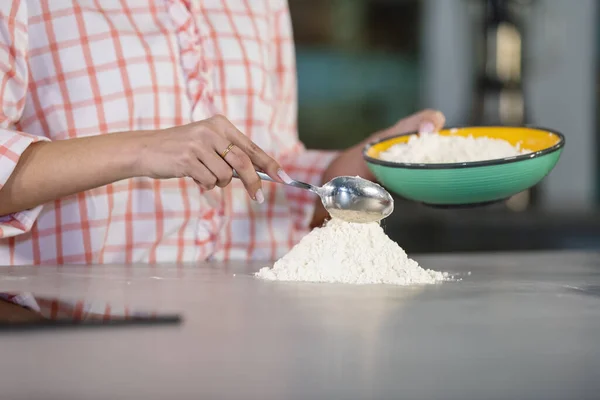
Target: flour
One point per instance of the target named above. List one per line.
(355, 216)
(346, 252)
(438, 149)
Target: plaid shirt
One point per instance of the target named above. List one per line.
(77, 68)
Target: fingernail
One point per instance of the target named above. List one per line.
(260, 197)
(284, 177)
(426, 127)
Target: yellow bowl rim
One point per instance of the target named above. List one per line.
(484, 163)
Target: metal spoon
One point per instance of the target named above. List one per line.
(350, 198)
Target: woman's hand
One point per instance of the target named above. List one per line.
(206, 151)
(351, 162)
(47, 171)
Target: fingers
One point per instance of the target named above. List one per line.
(217, 166)
(243, 166)
(426, 121)
(257, 156)
(202, 175)
(238, 160)
(245, 157)
(431, 121)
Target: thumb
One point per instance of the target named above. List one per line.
(426, 121)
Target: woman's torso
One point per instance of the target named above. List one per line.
(97, 67)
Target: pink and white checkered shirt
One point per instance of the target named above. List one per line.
(76, 68)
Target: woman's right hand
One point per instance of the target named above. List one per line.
(196, 150)
(47, 171)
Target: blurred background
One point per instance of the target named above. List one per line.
(364, 64)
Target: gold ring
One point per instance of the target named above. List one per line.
(227, 150)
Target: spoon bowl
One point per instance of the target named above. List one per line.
(354, 199)
(350, 198)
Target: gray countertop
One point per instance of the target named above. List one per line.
(520, 326)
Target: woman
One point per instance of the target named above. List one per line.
(121, 122)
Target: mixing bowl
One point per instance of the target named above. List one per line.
(470, 183)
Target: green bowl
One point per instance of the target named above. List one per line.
(470, 183)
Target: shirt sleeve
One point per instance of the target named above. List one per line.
(306, 166)
(13, 91)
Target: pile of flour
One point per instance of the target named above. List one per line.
(438, 149)
(345, 252)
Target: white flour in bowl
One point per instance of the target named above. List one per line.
(438, 149)
(346, 252)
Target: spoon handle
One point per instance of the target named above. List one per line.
(293, 183)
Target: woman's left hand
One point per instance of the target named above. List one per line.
(351, 162)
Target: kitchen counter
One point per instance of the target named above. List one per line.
(519, 326)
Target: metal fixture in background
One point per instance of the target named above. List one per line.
(499, 97)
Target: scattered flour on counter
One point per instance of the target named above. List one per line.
(345, 252)
(439, 149)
